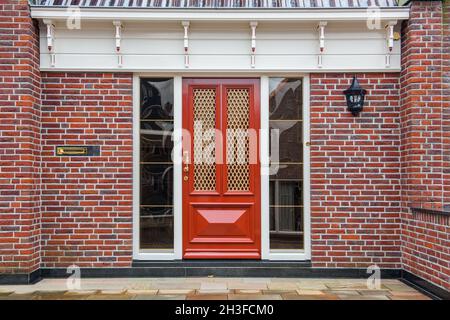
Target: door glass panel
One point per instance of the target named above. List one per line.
(156, 166)
(290, 133)
(238, 112)
(156, 141)
(156, 227)
(204, 139)
(286, 180)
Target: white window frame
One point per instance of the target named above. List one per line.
(291, 255)
(176, 253)
(158, 254)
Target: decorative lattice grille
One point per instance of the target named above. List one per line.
(238, 111)
(204, 137)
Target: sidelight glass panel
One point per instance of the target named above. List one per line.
(286, 180)
(156, 141)
(156, 166)
(156, 227)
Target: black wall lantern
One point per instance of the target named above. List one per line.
(355, 97)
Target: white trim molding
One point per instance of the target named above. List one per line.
(290, 14)
(176, 253)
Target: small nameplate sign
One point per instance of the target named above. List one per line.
(80, 151)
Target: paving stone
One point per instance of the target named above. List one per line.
(215, 291)
(291, 296)
(410, 297)
(373, 292)
(5, 292)
(58, 296)
(404, 293)
(360, 297)
(142, 292)
(14, 296)
(247, 291)
(400, 287)
(174, 291)
(247, 286)
(163, 297)
(279, 291)
(254, 297)
(310, 292)
(176, 285)
(24, 289)
(81, 292)
(121, 291)
(311, 286)
(208, 297)
(282, 286)
(346, 286)
(342, 292)
(214, 286)
(110, 297)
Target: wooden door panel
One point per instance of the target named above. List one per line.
(222, 223)
(221, 197)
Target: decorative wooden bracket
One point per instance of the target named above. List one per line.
(50, 40)
(321, 28)
(389, 41)
(118, 37)
(253, 26)
(185, 25)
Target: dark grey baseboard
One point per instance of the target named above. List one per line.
(223, 268)
(20, 278)
(425, 286)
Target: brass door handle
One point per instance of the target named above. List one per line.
(186, 164)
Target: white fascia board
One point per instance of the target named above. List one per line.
(291, 14)
(230, 72)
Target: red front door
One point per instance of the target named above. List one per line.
(221, 171)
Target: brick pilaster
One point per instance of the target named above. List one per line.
(424, 144)
(19, 139)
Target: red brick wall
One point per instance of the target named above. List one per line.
(425, 172)
(87, 201)
(426, 247)
(355, 173)
(19, 139)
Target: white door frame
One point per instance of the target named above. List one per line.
(176, 253)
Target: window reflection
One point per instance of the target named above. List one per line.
(156, 169)
(286, 184)
(156, 99)
(285, 99)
